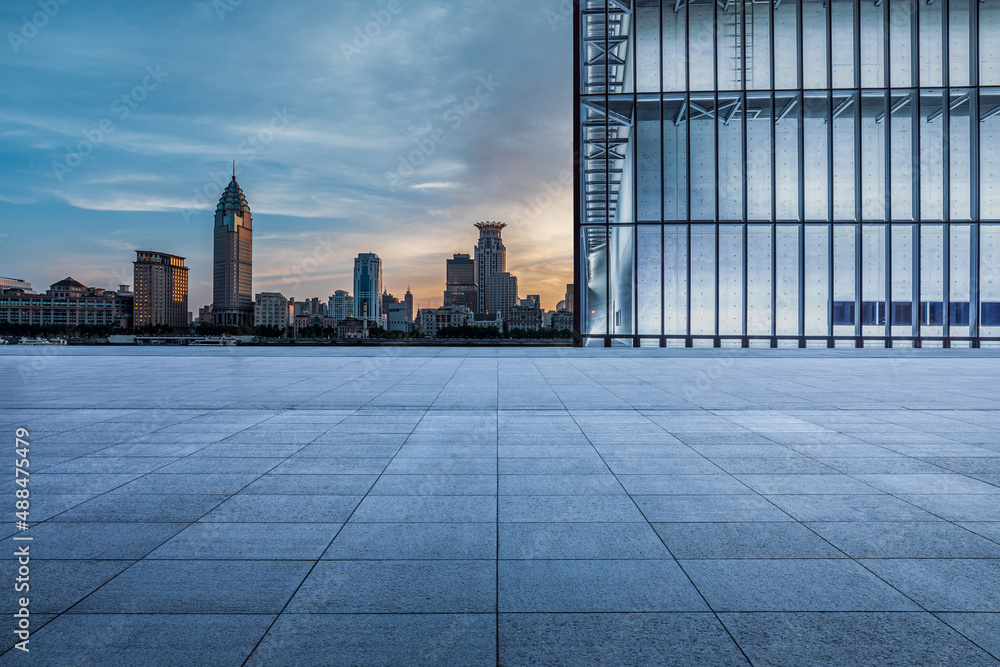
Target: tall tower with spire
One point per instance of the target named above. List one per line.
(233, 292)
(491, 259)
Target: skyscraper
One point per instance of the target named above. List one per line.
(408, 306)
(368, 287)
(807, 172)
(233, 296)
(161, 290)
(491, 258)
(460, 282)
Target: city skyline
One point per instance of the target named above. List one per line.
(311, 145)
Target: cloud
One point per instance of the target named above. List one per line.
(471, 97)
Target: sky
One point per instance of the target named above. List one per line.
(386, 126)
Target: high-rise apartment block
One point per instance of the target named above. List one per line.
(233, 304)
(160, 290)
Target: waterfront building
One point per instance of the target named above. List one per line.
(233, 269)
(160, 290)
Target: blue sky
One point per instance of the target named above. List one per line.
(386, 126)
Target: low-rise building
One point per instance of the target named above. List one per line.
(562, 319)
(352, 329)
(271, 310)
(433, 320)
(486, 320)
(67, 303)
(7, 283)
(396, 314)
(308, 321)
(527, 315)
(341, 305)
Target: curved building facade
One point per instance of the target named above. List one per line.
(801, 173)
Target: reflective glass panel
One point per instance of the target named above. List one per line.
(931, 279)
(816, 264)
(730, 157)
(989, 154)
(622, 252)
(674, 47)
(873, 155)
(960, 151)
(816, 163)
(649, 274)
(675, 279)
(815, 42)
(786, 286)
(959, 268)
(902, 42)
(759, 126)
(903, 152)
(873, 280)
(989, 280)
(703, 279)
(731, 279)
(786, 67)
(703, 184)
(648, 146)
(844, 279)
(759, 261)
(845, 127)
(787, 167)
(901, 311)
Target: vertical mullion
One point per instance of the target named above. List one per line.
(687, 152)
(608, 313)
(715, 128)
(579, 148)
(663, 194)
(829, 154)
(859, 219)
(887, 110)
(918, 146)
(631, 57)
(774, 188)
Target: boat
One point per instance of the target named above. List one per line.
(224, 341)
(43, 341)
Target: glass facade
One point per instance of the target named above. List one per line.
(810, 172)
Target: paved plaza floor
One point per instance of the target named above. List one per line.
(468, 506)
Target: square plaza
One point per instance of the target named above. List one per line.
(476, 506)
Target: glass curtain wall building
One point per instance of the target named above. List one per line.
(788, 172)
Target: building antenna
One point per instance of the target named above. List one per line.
(234, 170)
